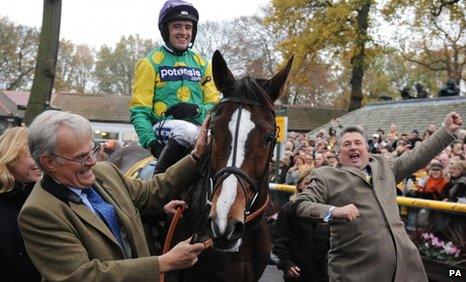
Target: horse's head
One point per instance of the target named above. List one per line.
(244, 133)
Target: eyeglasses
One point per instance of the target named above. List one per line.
(82, 160)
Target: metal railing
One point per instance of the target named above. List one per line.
(402, 201)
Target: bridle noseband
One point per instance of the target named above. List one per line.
(234, 170)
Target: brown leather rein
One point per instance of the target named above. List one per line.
(207, 243)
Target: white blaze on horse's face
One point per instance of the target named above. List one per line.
(228, 193)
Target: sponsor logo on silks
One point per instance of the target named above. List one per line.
(163, 133)
(179, 73)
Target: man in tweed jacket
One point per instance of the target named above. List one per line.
(68, 238)
(368, 240)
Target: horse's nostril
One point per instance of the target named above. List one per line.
(213, 228)
(234, 231)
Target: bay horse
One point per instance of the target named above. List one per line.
(226, 206)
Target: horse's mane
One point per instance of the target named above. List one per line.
(251, 88)
(255, 89)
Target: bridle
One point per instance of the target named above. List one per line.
(233, 169)
(223, 173)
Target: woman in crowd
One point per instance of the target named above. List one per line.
(433, 186)
(293, 173)
(308, 161)
(456, 188)
(18, 173)
(301, 244)
(320, 160)
(457, 150)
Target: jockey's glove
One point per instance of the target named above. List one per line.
(183, 110)
(156, 147)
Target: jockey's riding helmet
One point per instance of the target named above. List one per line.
(174, 10)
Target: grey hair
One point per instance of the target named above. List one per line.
(349, 129)
(43, 132)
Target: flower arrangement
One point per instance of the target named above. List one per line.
(434, 248)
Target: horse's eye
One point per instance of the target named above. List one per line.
(269, 138)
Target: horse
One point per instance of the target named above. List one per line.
(243, 134)
(227, 205)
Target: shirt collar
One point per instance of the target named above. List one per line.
(173, 50)
(58, 190)
(76, 190)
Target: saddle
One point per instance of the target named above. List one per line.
(144, 169)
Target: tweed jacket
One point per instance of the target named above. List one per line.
(68, 242)
(375, 246)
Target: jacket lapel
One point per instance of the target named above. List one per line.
(108, 195)
(91, 218)
(76, 204)
(361, 174)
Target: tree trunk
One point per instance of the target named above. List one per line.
(44, 75)
(357, 61)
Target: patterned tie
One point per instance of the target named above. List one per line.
(105, 211)
(368, 174)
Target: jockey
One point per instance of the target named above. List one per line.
(173, 89)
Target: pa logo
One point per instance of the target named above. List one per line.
(454, 273)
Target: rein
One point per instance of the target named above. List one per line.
(207, 243)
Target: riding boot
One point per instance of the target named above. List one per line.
(172, 153)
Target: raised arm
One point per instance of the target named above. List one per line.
(416, 159)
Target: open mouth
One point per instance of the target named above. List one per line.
(86, 173)
(36, 171)
(355, 157)
(182, 39)
(224, 245)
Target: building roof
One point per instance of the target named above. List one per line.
(110, 108)
(18, 97)
(10, 100)
(4, 110)
(301, 118)
(94, 107)
(406, 114)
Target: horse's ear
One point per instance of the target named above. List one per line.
(223, 78)
(276, 84)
